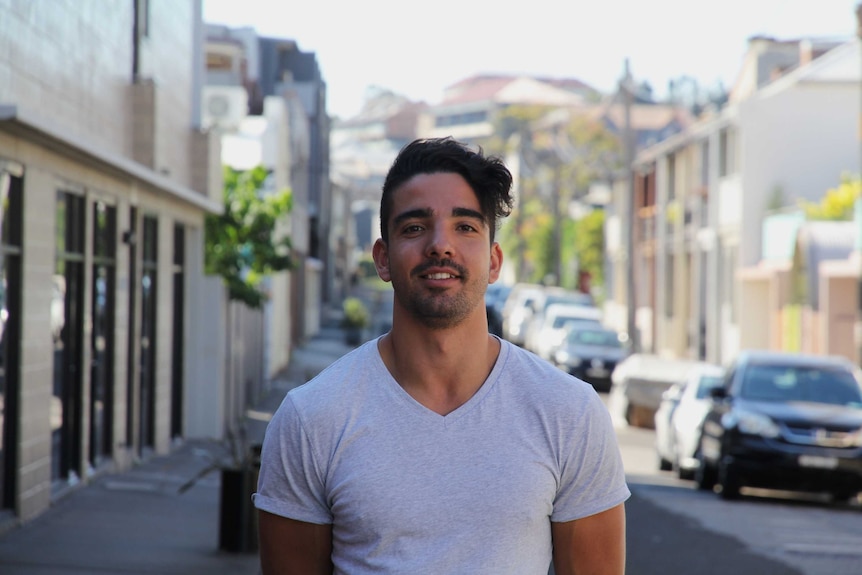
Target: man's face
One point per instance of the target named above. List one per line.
(439, 258)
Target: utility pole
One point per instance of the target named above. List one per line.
(629, 221)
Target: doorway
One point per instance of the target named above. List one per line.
(67, 333)
(11, 212)
(147, 350)
(178, 332)
(102, 337)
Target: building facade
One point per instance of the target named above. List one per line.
(105, 179)
(788, 134)
(287, 71)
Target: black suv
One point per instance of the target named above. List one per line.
(784, 421)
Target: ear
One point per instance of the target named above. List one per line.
(380, 253)
(496, 263)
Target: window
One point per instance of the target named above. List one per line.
(668, 286)
(704, 163)
(727, 152)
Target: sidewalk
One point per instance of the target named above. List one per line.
(137, 522)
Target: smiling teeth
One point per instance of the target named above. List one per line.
(440, 276)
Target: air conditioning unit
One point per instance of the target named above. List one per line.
(224, 107)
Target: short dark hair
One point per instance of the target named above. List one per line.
(489, 178)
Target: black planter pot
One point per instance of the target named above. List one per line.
(353, 335)
(237, 514)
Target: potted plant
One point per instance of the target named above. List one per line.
(355, 319)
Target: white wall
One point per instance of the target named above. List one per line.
(801, 140)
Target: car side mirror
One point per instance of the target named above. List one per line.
(718, 393)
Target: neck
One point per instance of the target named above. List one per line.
(440, 368)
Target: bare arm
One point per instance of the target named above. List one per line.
(289, 547)
(594, 545)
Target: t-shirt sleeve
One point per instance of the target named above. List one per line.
(592, 478)
(291, 482)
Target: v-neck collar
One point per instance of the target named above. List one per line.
(430, 415)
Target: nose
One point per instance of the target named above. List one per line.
(439, 242)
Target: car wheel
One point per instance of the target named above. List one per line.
(843, 496)
(704, 474)
(728, 478)
(683, 472)
(664, 464)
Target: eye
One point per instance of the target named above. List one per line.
(468, 227)
(411, 229)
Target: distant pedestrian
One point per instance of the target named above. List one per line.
(439, 448)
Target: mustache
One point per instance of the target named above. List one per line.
(445, 263)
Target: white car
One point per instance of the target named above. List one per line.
(638, 383)
(550, 296)
(680, 416)
(518, 310)
(552, 330)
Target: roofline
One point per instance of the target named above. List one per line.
(17, 121)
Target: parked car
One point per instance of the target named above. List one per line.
(495, 298)
(518, 310)
(591, 353)
(784, 421)
(556, 322)
(553, 295)
(679, 418)
(638, 384)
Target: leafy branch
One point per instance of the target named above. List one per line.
(243, 245)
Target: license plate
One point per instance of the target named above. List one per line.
(818, 461)
(597, 372)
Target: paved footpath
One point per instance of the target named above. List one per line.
(138, 522)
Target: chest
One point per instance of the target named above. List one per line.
(439, 482)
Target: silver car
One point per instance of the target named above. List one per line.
(679, 419)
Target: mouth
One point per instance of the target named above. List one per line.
(440, 273)
(439, 276)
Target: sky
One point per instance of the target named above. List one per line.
(417, 49)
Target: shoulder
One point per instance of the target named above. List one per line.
(536, 382)
(345, 378)
(539, 374)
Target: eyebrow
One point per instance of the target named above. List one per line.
(420, 213)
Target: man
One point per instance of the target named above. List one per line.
(439, 448)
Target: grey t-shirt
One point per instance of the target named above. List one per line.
(410, 491)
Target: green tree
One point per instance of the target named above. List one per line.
(838, 202)
(513, 136)
(243, 244)
(589, 246)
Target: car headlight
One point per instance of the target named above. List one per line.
(565, 358)
(751, 423)
(855, 438)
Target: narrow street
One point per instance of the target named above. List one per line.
(675, 528)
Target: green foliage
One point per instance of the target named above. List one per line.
(355, 313)
(366, 268)
(838, 202)
(242, 245)
(585, 151)
(539, 234)
(589, 245)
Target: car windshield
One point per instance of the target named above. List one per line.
(706, 383)
(562, 320)
(801, 383)
(597, 337)
(571, 298)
